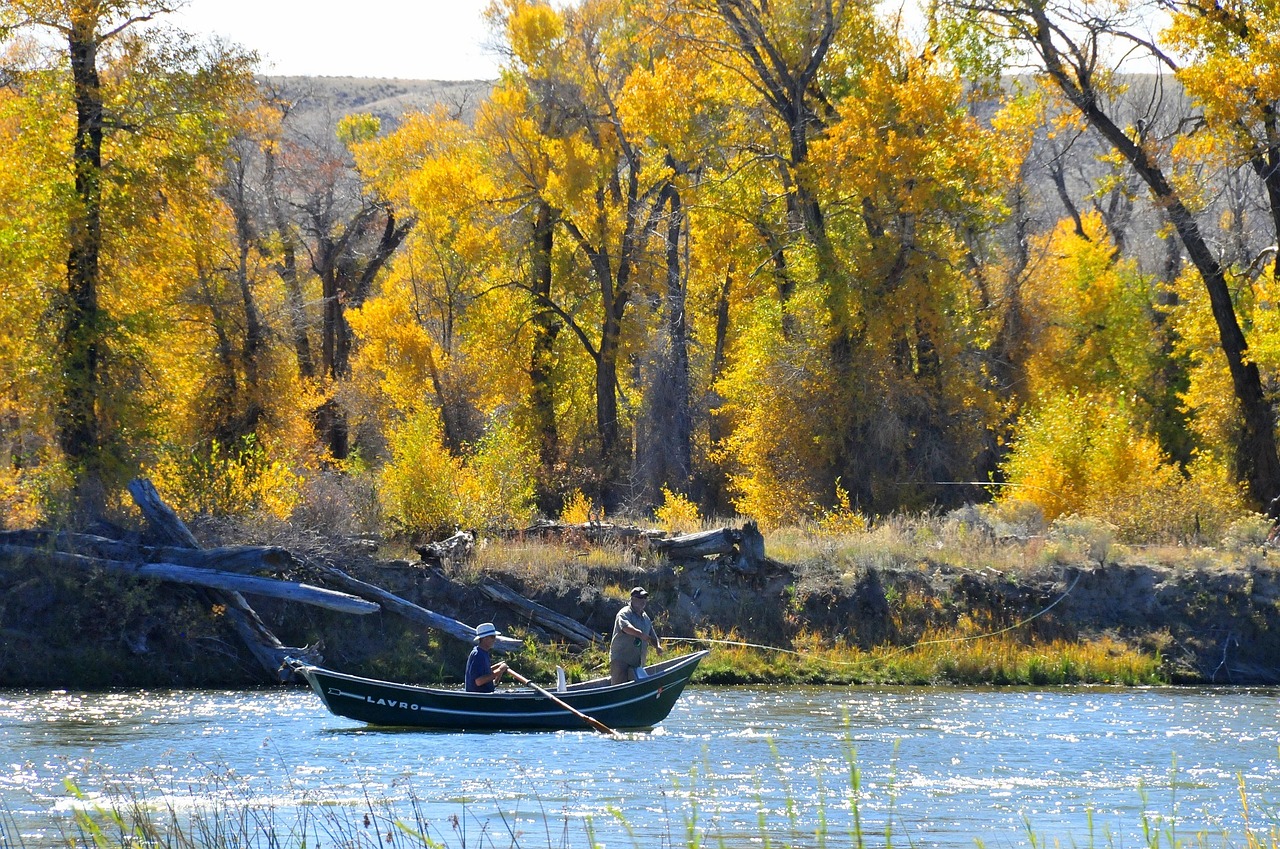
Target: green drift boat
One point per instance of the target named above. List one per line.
(637, 704)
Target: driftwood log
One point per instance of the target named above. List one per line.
(744, 548)
(413, 612)
(204, 577)
(380, 597)
(269, 651)
(225, 572)
(576, 632)
(231, 558)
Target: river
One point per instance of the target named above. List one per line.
(928, 767)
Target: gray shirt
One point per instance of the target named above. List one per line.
(624, 646)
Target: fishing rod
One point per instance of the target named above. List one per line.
(899, 651)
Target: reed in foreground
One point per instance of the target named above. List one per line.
(847, 811)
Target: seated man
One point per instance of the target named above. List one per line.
(482, 676)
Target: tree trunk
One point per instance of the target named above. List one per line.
(662, 450)
(681, 437)
(346, 278)
(546, 326)
(287, 269)
(81, 340)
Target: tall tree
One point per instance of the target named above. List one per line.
(608, 191)
(1079, 47)
(159, 91)
(316, 204)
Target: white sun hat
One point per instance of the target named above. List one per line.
(485, 630)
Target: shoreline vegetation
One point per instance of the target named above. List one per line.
(958, 599)
(955, 599)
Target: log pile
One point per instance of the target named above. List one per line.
(264, 646)
(742, 549)
(225, 574)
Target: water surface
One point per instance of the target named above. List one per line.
(936, 767)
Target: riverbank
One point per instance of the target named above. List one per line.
(906, 600)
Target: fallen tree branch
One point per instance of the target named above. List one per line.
(268, 650)
(175, 573)
(577, 633)
(413, 612)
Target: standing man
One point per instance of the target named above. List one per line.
(482, 676)
(632, 635)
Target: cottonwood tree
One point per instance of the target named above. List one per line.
(605, 187)
(329, 241)
(515, 133)
(1080, 49)
(860, 162)
(141, 106)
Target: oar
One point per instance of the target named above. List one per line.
(593, 722)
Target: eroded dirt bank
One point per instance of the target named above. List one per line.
(1210, 623)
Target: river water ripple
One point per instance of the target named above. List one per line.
(931, 767)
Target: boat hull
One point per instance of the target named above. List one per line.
(638, 704)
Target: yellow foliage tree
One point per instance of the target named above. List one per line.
(1083, 454)
(131, 127)
(435, 350)
(879, 323)
(428, 490)
(1091, 320)
(33, 216)
(778, 395)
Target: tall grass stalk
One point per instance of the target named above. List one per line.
(123, 818)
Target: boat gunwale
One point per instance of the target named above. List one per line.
(584, 688)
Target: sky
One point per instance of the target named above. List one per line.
(407, 39)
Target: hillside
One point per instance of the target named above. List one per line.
(330, 98)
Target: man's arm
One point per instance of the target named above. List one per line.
(494, 674)
(626, 624)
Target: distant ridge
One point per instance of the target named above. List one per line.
(387, 99)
